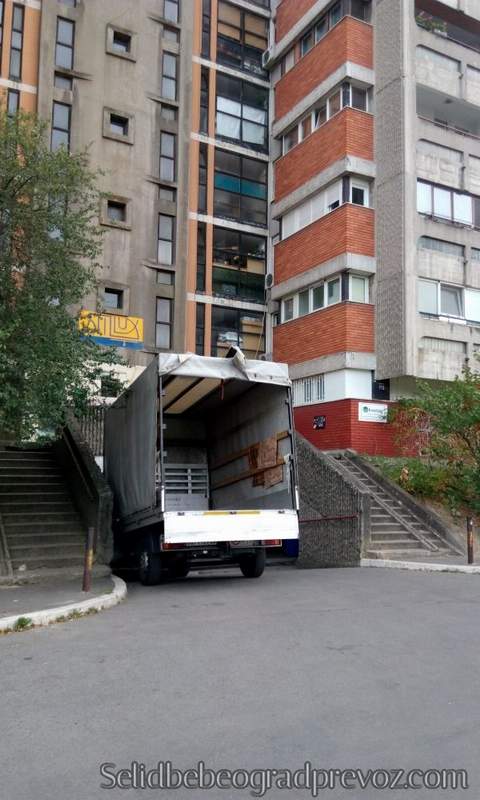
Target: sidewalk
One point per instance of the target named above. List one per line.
(51, 599)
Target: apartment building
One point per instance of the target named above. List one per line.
(373, 216)
(19, 54)
(170, 100)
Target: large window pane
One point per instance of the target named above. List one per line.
(442, 203)
(462, 208)
(451, 301)
(472, 305)
(427, 297)
(424, 197)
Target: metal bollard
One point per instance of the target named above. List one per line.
(88, 563)
(470, 557)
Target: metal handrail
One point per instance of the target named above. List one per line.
(4, 547)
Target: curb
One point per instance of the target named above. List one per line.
(416, 566)
(38, 619)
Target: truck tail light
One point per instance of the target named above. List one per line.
(172, 546)
(272, 542)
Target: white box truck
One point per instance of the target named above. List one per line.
(200, 454)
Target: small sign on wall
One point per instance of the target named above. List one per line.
(372, 412)
(319, 423)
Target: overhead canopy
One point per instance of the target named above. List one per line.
(191, 380)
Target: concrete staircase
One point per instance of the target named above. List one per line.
(41, 526)
(397, 529)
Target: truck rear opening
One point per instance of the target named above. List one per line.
(200, 455)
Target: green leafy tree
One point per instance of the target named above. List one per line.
(49, 246)
(442, 425)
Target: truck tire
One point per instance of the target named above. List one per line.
(150, 568)
(252, 566)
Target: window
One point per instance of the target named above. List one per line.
(118, 125)
(61, 123)
(2, 16)
(206, 23)
(63, 82)
(64, 43)
(70, 3)
(242, 38)
(200, 330)
(239, 265)
(204, 93)
(168, 112)
(451, 301)
(308, 390)
(16, 44)
(335, 14)
(438, 246)
(358, 193)
(202, 178)
(290, 139)
(312, 209)
(427, 297)
(121, 42)
(358, 289)
(164, 277)
(169, 76)
(447, 204)
(357, 8)
(13, 101)
(242, 112)
(171, 34)
(163, 323)
(166, 239)
(167, 194)
(360, 9)
(201, 255)
(307, 43)
(170, 10)
(167, 156)
(240, 188)
(231, 326)
(116, 211)
(334, 104)
(474, 254)
(113, 298)
(324, 294)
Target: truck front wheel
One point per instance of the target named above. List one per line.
(252, 566)
(150, 568)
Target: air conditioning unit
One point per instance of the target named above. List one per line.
(268, 281)
(265, 58)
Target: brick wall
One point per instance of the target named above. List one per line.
(344, 430)
(347, 229)
(340, 328)
(350, 40)
(288, 13)
(348, 133)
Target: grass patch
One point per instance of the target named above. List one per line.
(23, 624)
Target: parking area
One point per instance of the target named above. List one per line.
(347, 669)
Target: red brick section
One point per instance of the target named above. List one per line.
(347, 229)
(350, 40)
(288, 13)
(343, 429)
(338, 329)
(348, 133)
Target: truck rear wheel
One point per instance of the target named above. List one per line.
(150, 568)
(252, 566)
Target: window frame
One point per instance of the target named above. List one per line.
(168, 158)
(166, 77)
(171, 241)
(21, 32)
(67, 130)
(70, 47)
(10, 94)
(243, 118)
(244, 48)
(162, 323)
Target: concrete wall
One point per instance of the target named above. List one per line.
(325, 492)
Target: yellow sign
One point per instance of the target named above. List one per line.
(112, 329)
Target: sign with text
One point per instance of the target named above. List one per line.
(114, 330)
(372, 412)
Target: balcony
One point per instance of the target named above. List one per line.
(440, 266)
(433, 16)
(437, 71)
(439, 164)
(447, 112)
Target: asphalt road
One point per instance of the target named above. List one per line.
(359, 668)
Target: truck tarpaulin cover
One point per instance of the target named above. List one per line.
(130, 436)
(235, 367)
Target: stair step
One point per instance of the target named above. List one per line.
(17, 524)
(26, 552)
(58, 539)
(398, 554)
(31, 480)
(29, 497)
(25, 455)
(48, 561)
(27, 528)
